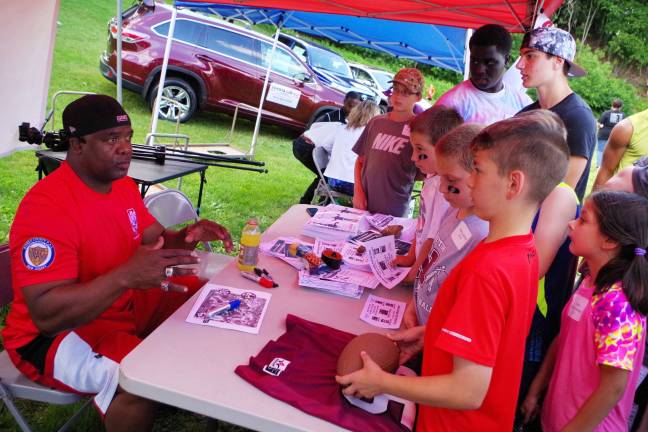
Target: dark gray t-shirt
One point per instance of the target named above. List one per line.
(455, 240)
(581, 132)
(388, 171)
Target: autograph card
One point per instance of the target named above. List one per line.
(246, 318)
(382, 252)
(382, 312)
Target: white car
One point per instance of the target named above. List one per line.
(379, 80)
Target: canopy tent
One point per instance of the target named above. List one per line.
(514, 15)
(440, 46)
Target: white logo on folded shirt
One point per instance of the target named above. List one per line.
(277, 366)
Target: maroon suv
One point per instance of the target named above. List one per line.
(213, 65)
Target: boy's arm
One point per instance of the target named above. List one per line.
(418, 261)
(407, 260)
(464, 388)
(610, 389)
(556, 211)
(359, 196)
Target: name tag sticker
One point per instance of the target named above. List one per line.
(461, 235)
(577, 307)
(406, 130)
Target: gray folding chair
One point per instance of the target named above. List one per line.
(172, 207)
(13, 384)
(323, 192)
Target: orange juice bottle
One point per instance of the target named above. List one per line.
(249, 251)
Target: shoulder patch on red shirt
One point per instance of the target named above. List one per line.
(37, 253)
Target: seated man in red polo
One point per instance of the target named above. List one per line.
(90, 266)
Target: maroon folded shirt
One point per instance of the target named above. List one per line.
(299, 369)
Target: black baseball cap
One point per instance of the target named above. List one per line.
(92, 113)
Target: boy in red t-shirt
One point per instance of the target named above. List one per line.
(475, 335)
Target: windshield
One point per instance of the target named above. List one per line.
(383, 79)
(329, 61)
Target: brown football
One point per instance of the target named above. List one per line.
(380, 348)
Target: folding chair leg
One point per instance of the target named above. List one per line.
(6, 398)
(75, 416)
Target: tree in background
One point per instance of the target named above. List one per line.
(619, 27)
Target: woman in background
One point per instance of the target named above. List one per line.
(339, 170)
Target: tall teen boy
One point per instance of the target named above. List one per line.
(475, 335)
(546, 61)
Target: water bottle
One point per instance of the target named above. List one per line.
(249, 252)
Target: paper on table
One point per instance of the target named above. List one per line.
(278, 248)
(321, 244)
(382, 252)
(333, 222)
(347, 273)
(350, 275)
(246, 318)
(382, 312)
(339, 288)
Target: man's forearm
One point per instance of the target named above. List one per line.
(70, 305)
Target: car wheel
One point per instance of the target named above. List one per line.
(178, 99)
(318, 114)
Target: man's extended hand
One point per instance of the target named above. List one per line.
(206, 230)
(364, 383)
(410, 342)
(148, 266)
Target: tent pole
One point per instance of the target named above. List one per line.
(257, 124)
(469, 33)
(165, 63)
(119, 51)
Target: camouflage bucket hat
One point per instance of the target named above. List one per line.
(556, 42)
(411, 78)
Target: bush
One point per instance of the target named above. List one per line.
(601, 86)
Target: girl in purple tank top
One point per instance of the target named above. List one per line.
(591, 370)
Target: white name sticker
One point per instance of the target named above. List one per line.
(283, 95)
(461, 235)
(577, 307)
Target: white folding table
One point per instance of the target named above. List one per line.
(192, 366)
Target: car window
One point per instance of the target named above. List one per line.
(329, 61)
(363, 77)
(231, 44)
(283, 63)
(383, 78)
(300, 51)
(185, 31)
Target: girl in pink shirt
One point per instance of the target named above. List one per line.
(592, 367)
